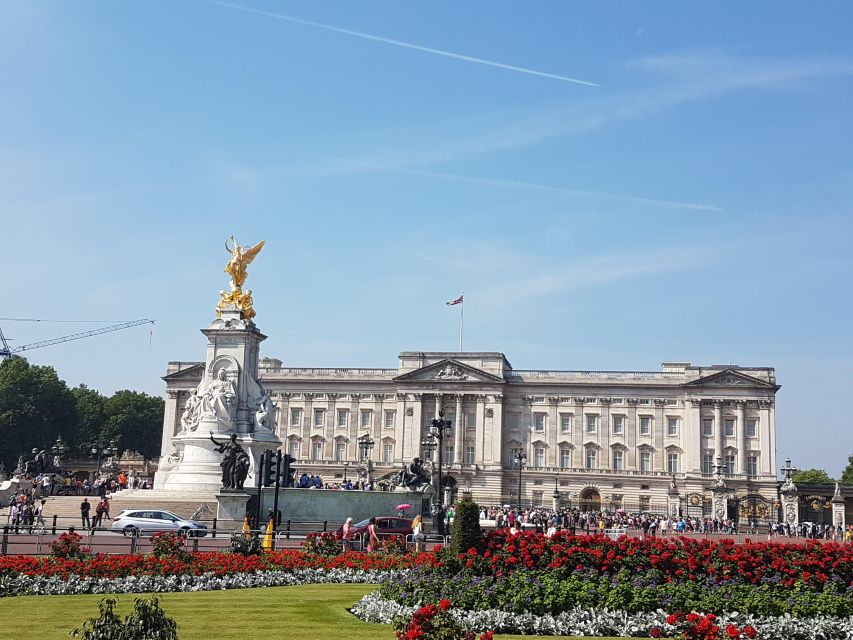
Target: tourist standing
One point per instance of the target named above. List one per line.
(85, 507)
(418, 532)
(347, 534)
(372, 539)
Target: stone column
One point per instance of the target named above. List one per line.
(331, 425)
(718, 429)
(552, 433)
(459, 432)
(741, 432)
(603, 434)
(480, 430)
(496, 432)
(401, 436)
(416, 426)
(692, 435)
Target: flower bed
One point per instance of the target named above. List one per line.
(530, 573)
(584, 621)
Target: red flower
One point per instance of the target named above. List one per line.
(732, 631)
(749, 631)
(445, 604)
(655, 632)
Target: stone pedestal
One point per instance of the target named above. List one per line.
(673, 505)
(838, 515)
(232, 507)
(790, 503)
(555, 501)
(720, 502)
(232, 362)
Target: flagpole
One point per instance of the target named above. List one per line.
(461, 319)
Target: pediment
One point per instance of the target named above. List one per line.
(730, 378)
(448, 371)
(193, 373)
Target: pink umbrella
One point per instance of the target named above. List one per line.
(404, 506)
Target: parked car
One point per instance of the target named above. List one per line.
(385, 526)
(133, 521)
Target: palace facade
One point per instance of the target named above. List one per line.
(594, 439)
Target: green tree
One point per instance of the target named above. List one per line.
(35, 407)
(812, 476)
(134, 421)
(847, 474)
(91, 417)
(466, 533)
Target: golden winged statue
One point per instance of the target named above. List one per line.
(241, 257)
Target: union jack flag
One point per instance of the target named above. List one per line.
(456, 301)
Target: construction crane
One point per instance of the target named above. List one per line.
(7, 352)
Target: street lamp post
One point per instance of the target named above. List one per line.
(365, 444)
(520, 458)
(100, 451)
(346, 466)
(437, 430)
(57, 449)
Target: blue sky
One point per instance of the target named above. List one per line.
(694, 204)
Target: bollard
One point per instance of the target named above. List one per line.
(134, 542)
(288, 529)
(195, 544)
(325, 522)
(4, 545)
(213, 535)
(53, 528)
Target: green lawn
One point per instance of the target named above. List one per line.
(310, 612)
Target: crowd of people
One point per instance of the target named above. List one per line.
(311, 481)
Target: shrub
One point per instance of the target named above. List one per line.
(466, 533)
(324, 543)
(433, 622)
(68, 546)
(147, 622)
(245, 545)
(168, 544)
(395, 545)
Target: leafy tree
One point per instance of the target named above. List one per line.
(35, 407)
(466, 532)
(135, 421)
(91, 417)
(812, 476)
(847, 474)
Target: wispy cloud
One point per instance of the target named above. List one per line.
(406, 45)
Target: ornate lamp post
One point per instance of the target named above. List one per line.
(346, 466)
(437, 430)
(57, 450)
(100, 451)
(365, 444)
(520, 458)
(556, 496)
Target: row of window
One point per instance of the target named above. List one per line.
(343, 418)
(729, 462)
(591, 459)
(730, 426)
(617, 423)
(316, 452)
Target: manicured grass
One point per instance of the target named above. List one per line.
(309, 612)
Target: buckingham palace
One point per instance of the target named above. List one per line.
(592, 439)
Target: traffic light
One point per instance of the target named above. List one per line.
(268, 469)
(288, 471)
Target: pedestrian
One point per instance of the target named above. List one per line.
(372, 539)
(418, 533)
(85, 507)
(347, 534)
(39, 514)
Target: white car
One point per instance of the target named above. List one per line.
(133, 521)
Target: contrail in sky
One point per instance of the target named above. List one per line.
(406, 45)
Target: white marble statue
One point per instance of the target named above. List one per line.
(218, 400)
(263, 414)
(191, 415)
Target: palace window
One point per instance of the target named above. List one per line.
(366, 418)
(752, 465)
(591, 458)
(343, 417)
(513, 420)
(707, 426)
(470, 455)
(471, 419)
(294, 449)
(319, 417)
(617, 459)
(618, 422)
(514, 451)
(539, 457)
(565, 457)
(537, 498)
(645, 425)
(340, 451)
(448, 453)
(729, 425)
(591, 424)
(390, 419)
(752, 428)
(565, 423)
(645, 503)
(388, 452)
(672, 462)
(730, 460)
(707, 461)
(645, 460)
(539, 421)
(296, 417)
(316, 450)
(671, 426)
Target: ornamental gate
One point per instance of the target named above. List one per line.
(754, 509)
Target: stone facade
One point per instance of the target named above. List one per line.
(592, 438)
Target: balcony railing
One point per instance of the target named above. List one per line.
(527, 374)
(334, 372)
